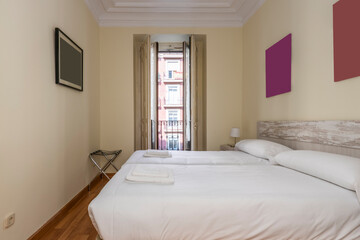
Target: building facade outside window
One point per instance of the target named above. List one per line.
(172, 142)
(173, 115)
(173, 94)
(170, 101)
(172, 66)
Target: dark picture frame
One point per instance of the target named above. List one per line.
(68, 62)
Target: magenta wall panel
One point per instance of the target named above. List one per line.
(278, 67)
(346, 39)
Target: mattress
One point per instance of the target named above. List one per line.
(198, 158)
(226, 202)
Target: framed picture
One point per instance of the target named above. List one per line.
(69, 61)
(278, 67)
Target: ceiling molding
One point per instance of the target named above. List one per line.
(173, 13)
(252, 11)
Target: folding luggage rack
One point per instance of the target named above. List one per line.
(110, 156)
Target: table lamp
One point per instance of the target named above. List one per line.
(235, 133)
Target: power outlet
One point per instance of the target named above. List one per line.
(9, 220)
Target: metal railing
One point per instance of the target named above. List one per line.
(170, 135)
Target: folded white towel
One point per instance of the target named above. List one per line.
(157, 153)
(151, 179)
(150, 171)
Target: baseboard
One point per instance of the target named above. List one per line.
(62, 212)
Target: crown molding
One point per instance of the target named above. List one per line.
(252, 11)
(178, 23)
(165, 13)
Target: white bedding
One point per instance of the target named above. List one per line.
(226, 202)
(198, 158)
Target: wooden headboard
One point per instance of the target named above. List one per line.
(341, 137)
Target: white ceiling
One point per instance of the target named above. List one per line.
(173, 13)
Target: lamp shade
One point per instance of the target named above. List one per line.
(235, 132)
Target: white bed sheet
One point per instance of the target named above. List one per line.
(198, 158)
(226, 202)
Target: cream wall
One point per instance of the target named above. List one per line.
(47, 130)
(314, 95)
(224, 75)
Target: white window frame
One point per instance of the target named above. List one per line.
(173, 110)
(168, 68)
(172, 137)
(175, 96)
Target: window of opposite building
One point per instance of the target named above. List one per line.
(172, 66)
(173, 94)
(172, 142)
(173, 115)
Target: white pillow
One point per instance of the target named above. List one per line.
(338, 169)
(261, 148)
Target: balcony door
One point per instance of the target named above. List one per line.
(169, 93)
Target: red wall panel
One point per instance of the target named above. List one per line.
(346, 39)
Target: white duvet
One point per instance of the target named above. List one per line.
(226, 202)
(198, 158)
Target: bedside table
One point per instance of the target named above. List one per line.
(227, 147)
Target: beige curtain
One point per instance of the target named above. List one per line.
(142, 91)
(198, 92)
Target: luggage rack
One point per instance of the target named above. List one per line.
(110, 156)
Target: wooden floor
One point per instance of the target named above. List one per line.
(77, 224)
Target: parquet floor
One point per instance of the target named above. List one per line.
(77, 224)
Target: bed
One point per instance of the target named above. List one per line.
(235, 200)
(198, 158)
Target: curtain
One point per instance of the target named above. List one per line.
(198, 92)
(142, 92)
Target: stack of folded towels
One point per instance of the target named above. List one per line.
(150, 174)
(157, 153)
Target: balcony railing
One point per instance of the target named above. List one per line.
(170, 135)
(170, 126)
